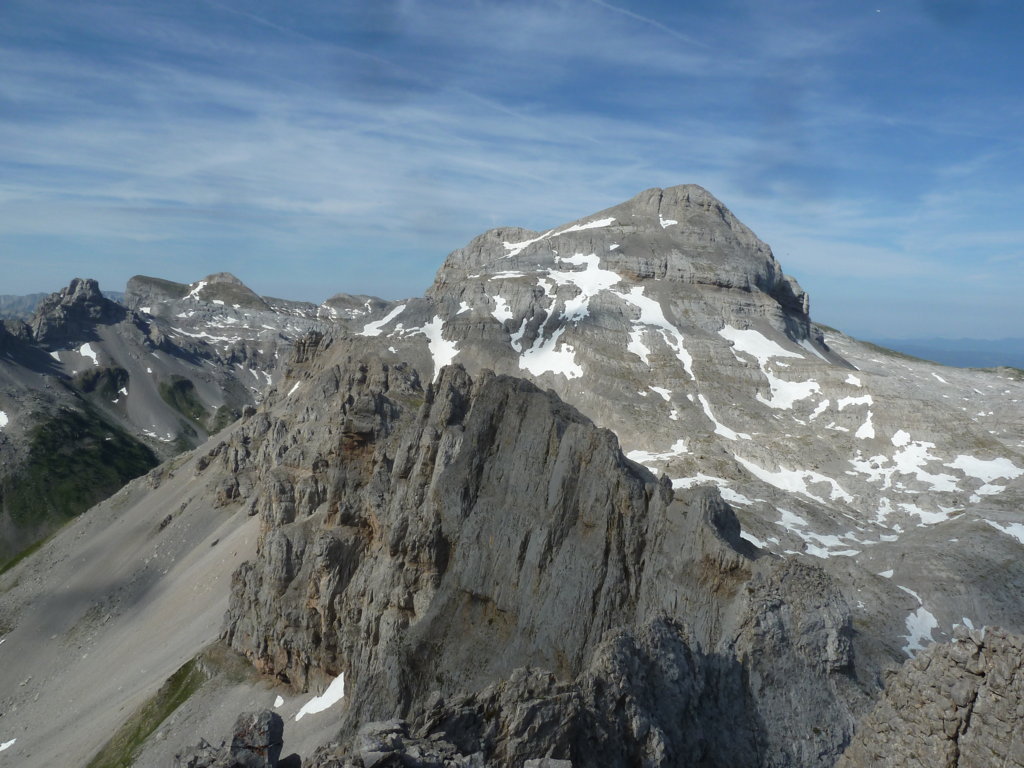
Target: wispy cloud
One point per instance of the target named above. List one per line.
(210, 136)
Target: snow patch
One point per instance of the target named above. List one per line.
(514, 249)
(147, 310)
(636, 345)
(920, 624)
(851, 379)
(939, 378)
(910, 459)
(761, 348)
(293, 390)
(666, 394)
(279, 702)
(720, 429)
(886, 574)
(55, 355)
(643, 457)
(590, 282)
(516, 339)
(86, 350)
(442, 350)
(986, 470)
(463, 307)
(666, 223)
(754, 540)
(651, 313)
(796, 481)
(806, 344)
(335, 692)
(501, 311)
(545, 357)
(1016, 530)
(843, 402)
(734, 497)
(376, 328)
(3, 420)
(597, 223)
(7, 745)
(866, 431)
(194, 293)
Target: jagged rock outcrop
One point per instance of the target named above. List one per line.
(221, 287)
(256, 742)
(72, 314)
(956, 705)
(495, 581)
(431, 542)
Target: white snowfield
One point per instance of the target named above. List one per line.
(920, 624)
(86, 350)
(4, 421)
(514, 249)
(442, 350)
(335, 692)
(376, 328)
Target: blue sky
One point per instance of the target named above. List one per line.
(319, 147)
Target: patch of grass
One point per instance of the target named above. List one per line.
(222, 418)
(29, 550)
(104, 382)
(180, 393)
(125, 745)
(75, 460)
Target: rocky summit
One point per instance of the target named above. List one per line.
(605, 496)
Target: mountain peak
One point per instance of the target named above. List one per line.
(216, 288)
(681, 236)
(73, 312)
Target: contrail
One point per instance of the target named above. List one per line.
(649, 21)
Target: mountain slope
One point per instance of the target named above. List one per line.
(113, 388)
(470, 548)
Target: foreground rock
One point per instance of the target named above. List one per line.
(255, 743)
(958, 704)
(431, 545)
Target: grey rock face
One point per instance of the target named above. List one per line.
(431, 542)
(667, 321)
(73, 313)
(498, 583)
(955, 704)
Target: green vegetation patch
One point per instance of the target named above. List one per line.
(125, 745)
(75, 460)
(180, 393)
(222, 418)
(29, 550)
(105, 382)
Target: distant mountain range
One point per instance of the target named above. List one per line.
(962, 353)
(605, 495)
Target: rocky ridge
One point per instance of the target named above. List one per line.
(955, 704)
(493, 529)
(415, 516)
(117, 387)
(667, 321)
